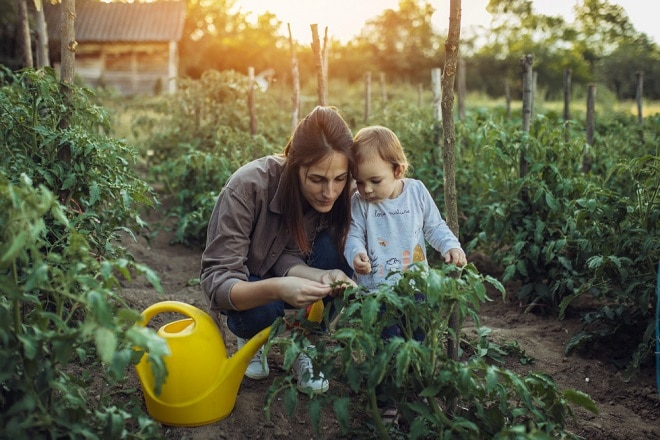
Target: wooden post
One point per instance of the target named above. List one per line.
(527, 98)
(590, 128)
(23, 37)
(461, 88)
(535, 77)
(567, 103)
(367, 97)
(318, 64)
(67, 72)
(253, 119)
(639, 96)
(43, 58)
(436, 76)
(295, 79)
(507, 97)
(324, 60)
(591, 111)
(420, 95)
(383, 91)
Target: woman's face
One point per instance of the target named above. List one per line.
(323, 182)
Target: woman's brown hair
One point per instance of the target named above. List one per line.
(320, 133)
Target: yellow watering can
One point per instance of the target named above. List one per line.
(202, 382)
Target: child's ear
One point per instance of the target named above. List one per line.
(399, 171)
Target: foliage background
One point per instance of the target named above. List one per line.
(583, 244)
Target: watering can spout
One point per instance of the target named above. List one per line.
(241, 359)
(202, 382)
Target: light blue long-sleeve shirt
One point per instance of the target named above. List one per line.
(393, 232)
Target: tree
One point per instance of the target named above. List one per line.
(449, 142)
(403, 41)
(600, 27)
(516, 29)
(619, 69)
(217, 36)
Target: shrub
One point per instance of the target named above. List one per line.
(63, 326)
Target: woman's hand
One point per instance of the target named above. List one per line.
(338, 279)
(301, 292)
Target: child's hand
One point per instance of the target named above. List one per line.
(456, 256)
(361, 264)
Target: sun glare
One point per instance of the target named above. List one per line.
(346, 18)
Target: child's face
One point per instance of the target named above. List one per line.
(377, 180)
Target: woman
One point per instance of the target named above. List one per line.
(276, 236)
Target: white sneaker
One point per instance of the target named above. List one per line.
(257, 369)
(304, 372)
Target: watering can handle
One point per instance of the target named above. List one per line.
(171, 306)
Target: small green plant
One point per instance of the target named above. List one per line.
(437, 397)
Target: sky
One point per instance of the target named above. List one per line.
(345, 18)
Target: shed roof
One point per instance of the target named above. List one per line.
(123, 22)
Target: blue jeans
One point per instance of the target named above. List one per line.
(247, 323)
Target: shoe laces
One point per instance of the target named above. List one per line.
(304, 362)
(257, 356)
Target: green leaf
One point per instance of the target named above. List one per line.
(314, 408)
(551, 202)
(17, 244)
(291, 400)
(120, 360)
(582, 399)
(106, 343)
(342, 412)
(69, 181)
(30, 347)
(152, 277)
(94, 193)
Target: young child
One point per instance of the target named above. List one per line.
(392, 216)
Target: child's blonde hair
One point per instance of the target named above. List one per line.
(379, 141)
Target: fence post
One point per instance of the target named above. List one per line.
(640, 90)
(436, 75)
(367, 96)
(567, 103)
(295, 79)
(253, 119)
(527, 99)
(591, 128)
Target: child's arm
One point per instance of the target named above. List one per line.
(438, 234)
(356, 245)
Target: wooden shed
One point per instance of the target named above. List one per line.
(131, 47)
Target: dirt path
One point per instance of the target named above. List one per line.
(628, 411)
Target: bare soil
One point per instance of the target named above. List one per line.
(627, 410)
